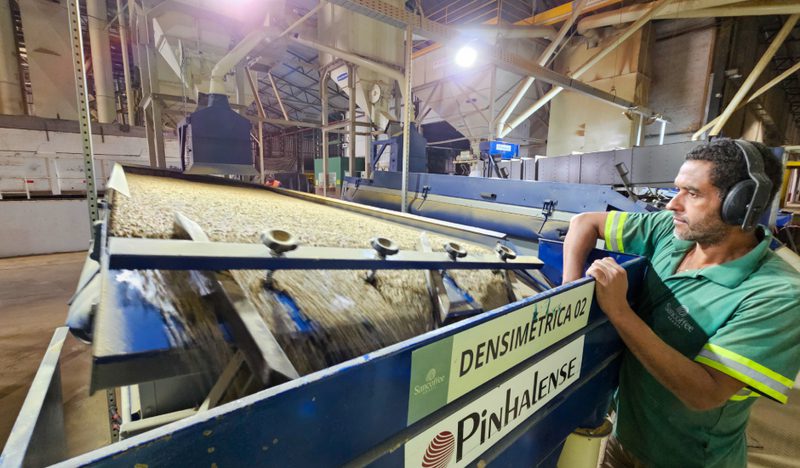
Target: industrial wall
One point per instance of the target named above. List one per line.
(580, 123)
(49, 58)
(50, 161)
(689, 70)
(682, 62)
(32, 227)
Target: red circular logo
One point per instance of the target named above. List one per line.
(439, 451)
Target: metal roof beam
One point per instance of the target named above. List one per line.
(292, 87)
(399, 17)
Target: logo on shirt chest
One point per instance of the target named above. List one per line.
(679, 316)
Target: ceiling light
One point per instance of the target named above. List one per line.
(466, 56)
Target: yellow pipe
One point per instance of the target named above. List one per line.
(787, 175)
(785, 185)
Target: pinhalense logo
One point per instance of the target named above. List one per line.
(439, 451)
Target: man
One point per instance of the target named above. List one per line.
(717, 322)
(272, 181)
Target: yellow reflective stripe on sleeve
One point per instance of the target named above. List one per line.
(622, 217)
(744, 394)
(750, 363)
(607, 230)
(615, 220)
(753, 383)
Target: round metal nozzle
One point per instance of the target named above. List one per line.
(455, 250)
(384, 246)
(505, 252)
(278, 241)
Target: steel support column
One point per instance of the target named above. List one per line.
(150, 87)
(81, 93)
(139, 21)
(323, 94)
(351, 129)
(158, 132)
(151, 137)
(126, 66)
(262, 115)
(407, 119)
(492, 98)
(154, 108)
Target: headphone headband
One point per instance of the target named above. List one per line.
(757, 204)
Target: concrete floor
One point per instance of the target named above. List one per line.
(33, 301)
(773, 434)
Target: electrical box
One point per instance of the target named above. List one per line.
(504, 149)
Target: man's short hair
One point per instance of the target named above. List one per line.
(730, 167)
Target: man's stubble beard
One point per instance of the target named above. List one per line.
(706, 232)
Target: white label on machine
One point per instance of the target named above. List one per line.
(467, 360)
(485, 351)
(461, 437)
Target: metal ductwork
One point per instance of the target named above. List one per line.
(104, 94)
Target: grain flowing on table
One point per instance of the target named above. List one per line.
(337, 316)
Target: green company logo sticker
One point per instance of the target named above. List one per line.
(430, 370)
(452, 367)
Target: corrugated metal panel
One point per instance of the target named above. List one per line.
(681, 65)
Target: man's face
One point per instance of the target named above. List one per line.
(696, 208)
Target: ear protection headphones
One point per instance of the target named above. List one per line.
(747, 200)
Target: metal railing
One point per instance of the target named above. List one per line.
(38, 437)
(478, 11)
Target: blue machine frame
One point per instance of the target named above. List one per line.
(513, 207)
(370, 409)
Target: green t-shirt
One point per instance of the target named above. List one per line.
(741, 318)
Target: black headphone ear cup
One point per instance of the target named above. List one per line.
(734, 207)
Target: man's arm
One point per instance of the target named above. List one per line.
(698, 386)
(584, 231)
